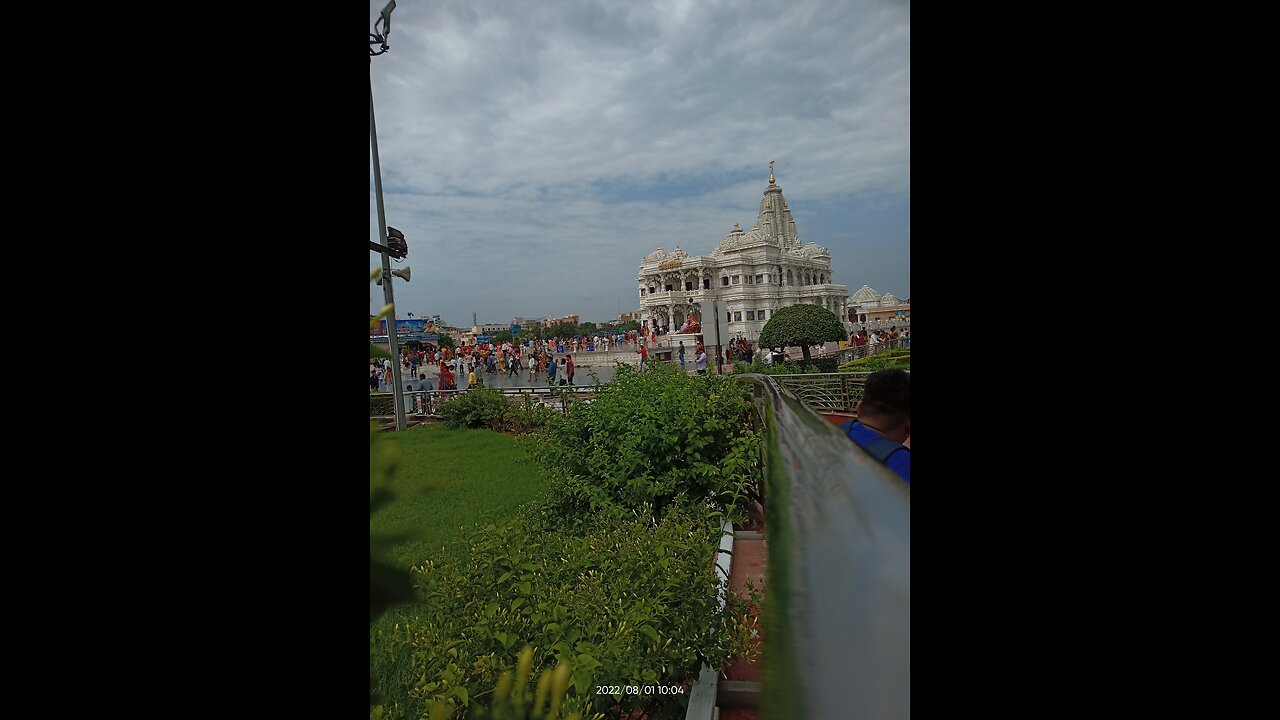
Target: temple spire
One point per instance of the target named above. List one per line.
(770, 172)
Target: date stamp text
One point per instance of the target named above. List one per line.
(640, 689)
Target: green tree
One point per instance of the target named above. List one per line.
(621, 327)
(802, 325)
(562, 330)
(446, 340)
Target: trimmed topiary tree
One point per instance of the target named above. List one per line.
(802, 325)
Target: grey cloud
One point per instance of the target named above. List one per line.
(499, 117)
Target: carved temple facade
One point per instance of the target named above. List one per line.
(750, 274)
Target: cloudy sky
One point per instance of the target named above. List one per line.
(534, 152)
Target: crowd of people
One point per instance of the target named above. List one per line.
(882, 427)
(893, 339)
(552, 359)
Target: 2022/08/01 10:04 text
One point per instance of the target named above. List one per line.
(639, 689)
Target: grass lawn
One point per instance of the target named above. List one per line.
(449, 478)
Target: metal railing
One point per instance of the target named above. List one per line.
(702, 695)
(429, 402)
(838, 591)
(826, 392)
(857, 353)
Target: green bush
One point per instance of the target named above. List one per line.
(484, 407)
(801, 325)
(791, 367)
(608, 575)
(625, 603)
(526, 702)
(651, 439)
(477, 408)
(527, 415)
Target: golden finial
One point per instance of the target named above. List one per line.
(770, 172)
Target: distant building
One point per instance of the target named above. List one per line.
(750, 274)
(553, 321)
(870, 310)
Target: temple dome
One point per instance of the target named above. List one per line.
(736, 239)
(658, 254)
(814, 250)
(889, 299)
(865, 295)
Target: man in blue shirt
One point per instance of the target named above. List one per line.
(884, 420)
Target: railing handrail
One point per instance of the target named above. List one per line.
(840, 560)
(826, 392)
(555, 390)
(429, 401)
(853, 352)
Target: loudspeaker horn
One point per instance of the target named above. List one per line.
(402, 274)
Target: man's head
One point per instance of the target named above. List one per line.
(886, 403)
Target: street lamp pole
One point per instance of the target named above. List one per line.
(719, 360)
(398, 390)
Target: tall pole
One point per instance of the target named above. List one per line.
(719, 361)
(386, 266)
